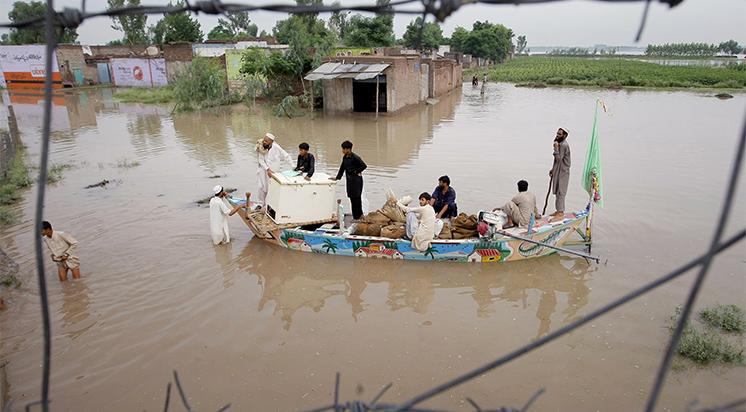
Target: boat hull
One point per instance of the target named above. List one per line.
(503, 249)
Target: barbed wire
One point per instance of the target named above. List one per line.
(440, 10)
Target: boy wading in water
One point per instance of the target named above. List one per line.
(63, 248)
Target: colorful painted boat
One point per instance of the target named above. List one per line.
(327, 240)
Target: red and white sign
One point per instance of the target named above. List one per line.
(25, 66)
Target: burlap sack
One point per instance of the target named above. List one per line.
(376, 217)
(465, 221)
(393, 231)
(367, 229)
(446, 232)
(393, 212)
(464, 235)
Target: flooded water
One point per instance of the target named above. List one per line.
(266, 328)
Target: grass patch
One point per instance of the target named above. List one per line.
(127, 164)
(57, 171)
(10, 281)
(705, 344)
(15, 179)
(728, 318)
(156, 95)
(613, 73)
(7, 216)
(705, 348)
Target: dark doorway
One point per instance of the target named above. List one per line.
(364, 94)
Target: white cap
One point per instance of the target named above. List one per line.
(270, 136)
(217, 189)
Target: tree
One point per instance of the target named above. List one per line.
(34, 35)
(236, 25)
(520, 44)
(339, 21)
(176, 27)
(432, 35)
(370, 32)
(377, 31)
(730, 47)
(458, 39)
(308, 37)
(486, 40)
(132, 25)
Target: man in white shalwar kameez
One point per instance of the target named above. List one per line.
(219, 213)
(270, 157)
(425, 214)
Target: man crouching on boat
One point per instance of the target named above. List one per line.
(270, 157)
(521, 206)
(219, 213)
(426, 222)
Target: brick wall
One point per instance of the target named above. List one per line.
(178, 52)
(69, 58)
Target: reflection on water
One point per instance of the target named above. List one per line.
(75, 308)
(291, 284)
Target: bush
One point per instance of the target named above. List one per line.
(202, 84)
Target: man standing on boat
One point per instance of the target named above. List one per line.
(352, 167)
(270, 157)
(560, 173)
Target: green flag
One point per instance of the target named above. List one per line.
(593, 163)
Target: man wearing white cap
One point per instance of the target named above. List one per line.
(270, 157)
(219, 213)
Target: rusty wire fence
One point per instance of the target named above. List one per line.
(439, 10)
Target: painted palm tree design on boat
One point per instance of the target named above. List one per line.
(329, 246)
(430, 252)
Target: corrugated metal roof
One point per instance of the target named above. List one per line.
(330, 70)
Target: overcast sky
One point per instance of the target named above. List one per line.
(569, 23)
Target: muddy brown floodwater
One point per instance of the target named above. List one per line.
(266, 328)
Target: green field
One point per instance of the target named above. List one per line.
(541, 71)
(143, 95)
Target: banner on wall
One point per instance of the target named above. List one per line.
(25, 66)
(139, 72)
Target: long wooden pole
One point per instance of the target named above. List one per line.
(560, 249)
(546, 200)
(377, 77)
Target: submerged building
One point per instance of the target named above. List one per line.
(383, 84)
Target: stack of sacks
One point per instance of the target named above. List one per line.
(464, 226)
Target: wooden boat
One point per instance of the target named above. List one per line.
(324, 237)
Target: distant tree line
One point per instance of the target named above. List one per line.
(694, 49)
(581, 51)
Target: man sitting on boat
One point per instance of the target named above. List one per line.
(521, 206)
(444, 199)
(425, 229)
(270, 157)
